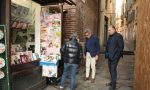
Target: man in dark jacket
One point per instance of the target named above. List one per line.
(73, 53)
(114, 50)
(92, 51)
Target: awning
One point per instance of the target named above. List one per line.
(48, 2)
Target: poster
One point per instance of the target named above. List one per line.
(50, 41)
(49, 71)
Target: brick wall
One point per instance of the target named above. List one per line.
(69, 21)
(77, 18)
(88, 14)
(142, 65)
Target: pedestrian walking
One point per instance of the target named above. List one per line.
(114, 50)
(73, 53)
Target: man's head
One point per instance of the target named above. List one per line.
(88, 33)
(111, 30)
(74, 36)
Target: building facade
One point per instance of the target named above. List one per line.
(126, 23)
(107, 17)
(130, 26)
(120, 16)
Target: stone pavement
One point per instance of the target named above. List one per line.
(125, 76)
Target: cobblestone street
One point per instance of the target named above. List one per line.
(125, 76)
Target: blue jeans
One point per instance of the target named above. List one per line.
(72, 68)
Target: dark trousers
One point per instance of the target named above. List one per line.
(112, 64)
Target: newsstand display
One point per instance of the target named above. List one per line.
(4, 73)
(34, 46)
(25, 71)
(51, 43)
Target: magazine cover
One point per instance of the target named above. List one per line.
(50, 40)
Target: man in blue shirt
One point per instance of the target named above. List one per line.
(92, 50)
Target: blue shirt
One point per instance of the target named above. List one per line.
(92, 46)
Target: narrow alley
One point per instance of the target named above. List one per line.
(125, 76)
(42, 40)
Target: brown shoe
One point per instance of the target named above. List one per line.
(93, 81)
(87, 78)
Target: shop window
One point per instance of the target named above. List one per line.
(34, 28)
(23, 34)
(24, 62)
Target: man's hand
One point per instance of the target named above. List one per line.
(96, 57)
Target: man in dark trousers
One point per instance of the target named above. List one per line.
(92, 51)
(73, 53)
(114, 50)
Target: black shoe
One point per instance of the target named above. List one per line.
(112, 88)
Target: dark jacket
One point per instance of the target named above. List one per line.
(72, 51)
(114, 47)
(92, 46)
